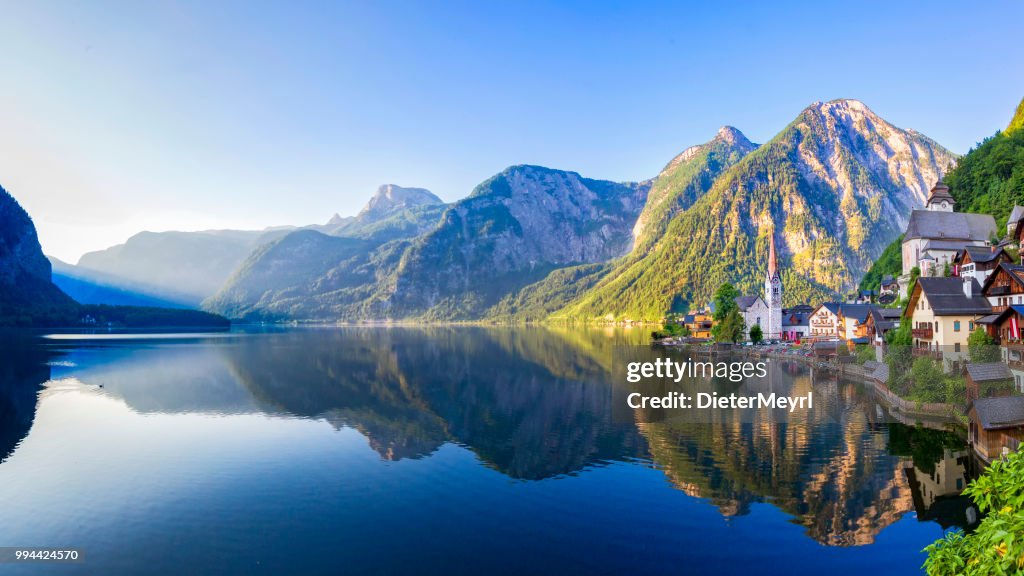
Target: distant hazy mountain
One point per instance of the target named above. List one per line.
(190, 264)
(27, 296)
(834, 187)
(92, 287)
(329, 272)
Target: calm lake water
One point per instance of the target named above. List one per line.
(439, 450)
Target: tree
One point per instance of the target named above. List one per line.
(756, 335)
(995, 547)
(730, 328)
(725, 301)
(982, 347)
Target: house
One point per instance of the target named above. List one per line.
(879, 322)
(888, 286)
(979, 262)
(1004, 286)
(861, 297)
(1006, 325)
(824, 322)
(996, 424)
(988, 380)
(943, 312)
(851, 317)
(699, 324)
(795, 322)
(1015, 226)
(936, 234)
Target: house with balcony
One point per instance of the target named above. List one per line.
(979, 262)
(851, 318)
(824, 322)
(879, 322)
(1004, 287)
(699, 324)
(944, 311)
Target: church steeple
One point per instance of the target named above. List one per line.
(939, 198)
(773, 290)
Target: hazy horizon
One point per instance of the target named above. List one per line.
(125, 117)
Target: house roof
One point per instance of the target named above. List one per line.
(1016, 214)
(947, 245)
(981, 254)
(858, 312)
(888, 279)
(989, 371)
(832, 307)
(885, 318)
(932, 224)
(999, 318)
(798, 308)
(795, 318)
(1000, 412)
(946, 297)
(745, 302)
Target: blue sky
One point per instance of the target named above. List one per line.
(119, 117)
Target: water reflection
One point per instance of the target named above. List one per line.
(531, 404)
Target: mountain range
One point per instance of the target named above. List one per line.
(834, 188)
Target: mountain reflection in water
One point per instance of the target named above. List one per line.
(530, 403)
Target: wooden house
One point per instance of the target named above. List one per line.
(996, 424)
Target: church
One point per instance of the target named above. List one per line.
(937, 233)
(767, 311)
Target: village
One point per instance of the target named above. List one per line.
(941, 341)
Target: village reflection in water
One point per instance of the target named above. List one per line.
(532, 404)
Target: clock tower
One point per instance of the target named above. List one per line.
(773, 292)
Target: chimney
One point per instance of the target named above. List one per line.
(969, 286)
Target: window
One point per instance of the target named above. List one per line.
(970, 325)
(956, 326)
(956, 347)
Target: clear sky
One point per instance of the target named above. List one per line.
(120, 117)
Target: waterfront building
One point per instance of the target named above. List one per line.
(996, 425)
(766, 312)
(824, 322)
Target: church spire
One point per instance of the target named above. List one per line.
(773, 266)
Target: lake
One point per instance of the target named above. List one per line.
(461, 450)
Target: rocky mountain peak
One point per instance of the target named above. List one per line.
(390, 198)
(733, 136)
(336, 220)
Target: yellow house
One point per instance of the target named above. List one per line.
(944, 311)
(700, 324)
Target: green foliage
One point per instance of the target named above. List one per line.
(997, 545)
(929, 383)
(890, 262)
(990, 178)
(730, 328)
(864, 353)
(1018, 119)
(725, 301)
(981, 347)
(756, 335)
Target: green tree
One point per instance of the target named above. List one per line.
(725, 301)
(996, 546)
(730, 328)
(756, 335)
(982, 347)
